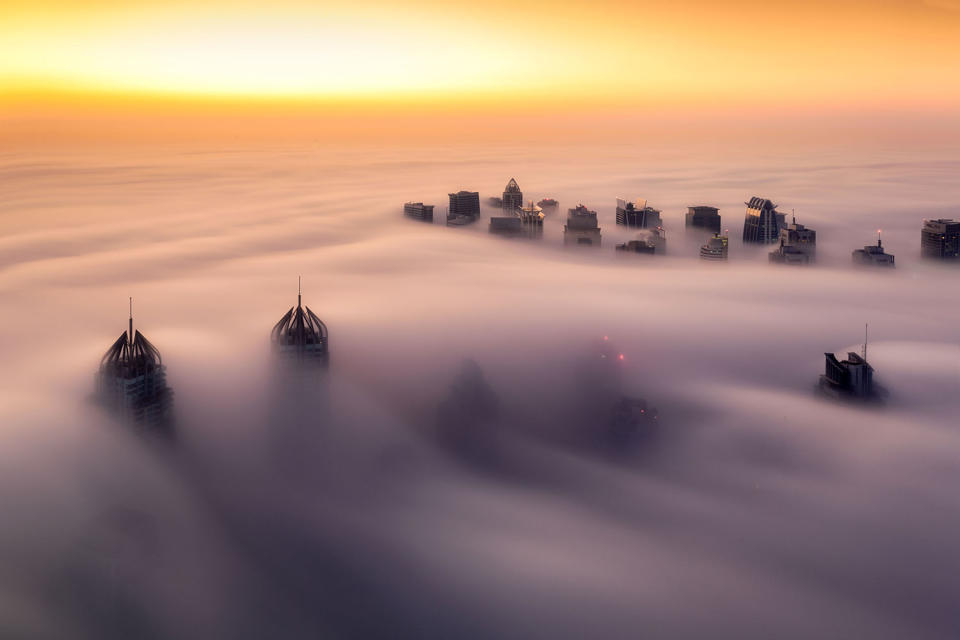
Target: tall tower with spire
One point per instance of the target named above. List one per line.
(132, 380)
(301, 335)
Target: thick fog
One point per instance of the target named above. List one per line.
(454, 473)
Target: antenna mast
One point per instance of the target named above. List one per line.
(130, 335)
(299, 290)
(865, 327)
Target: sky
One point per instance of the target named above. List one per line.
(689, 53)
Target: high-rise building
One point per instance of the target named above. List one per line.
(506, 225)
(716, 248)
(418, 211)
(464, 207)
(850, 377)
(512, 196)
(132, 381)
(762, 223)
(301, 335)
(638, 214)
(873, 255)
(581, 227)
(702, 217)
(798, 245)
(940, 239)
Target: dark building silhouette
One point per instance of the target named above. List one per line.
(873, 255)
(506, 225)
(467, 417)
(548, 203)
(940, 239)
(512, 196)
(495, 202)
(762, 223)
(464, 208)
(638, 215)
(649, 241)
(852, 377)
(798, 245)
(418, 211)
(702, 217)
(132, 381)
(300, 335)
(581, 227)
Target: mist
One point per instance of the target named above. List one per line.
(453, 472)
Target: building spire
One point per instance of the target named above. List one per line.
(878, 238)
(793, 212)
(299, 291)
(865, 327)
(130, 335)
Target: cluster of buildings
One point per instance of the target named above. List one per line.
(763, 224)
(131, 381)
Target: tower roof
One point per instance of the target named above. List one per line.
(512, 187)
(300, 329)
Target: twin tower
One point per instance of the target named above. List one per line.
(132, 379)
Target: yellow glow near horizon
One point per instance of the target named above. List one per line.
(805, 51)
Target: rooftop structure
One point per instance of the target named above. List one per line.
(873, 255)
(702, 217)
(940, 239)
(649, 241)
(581, 227)
(716, 248)
(463, 204)
(638, 214)
(512, 196)
(418, 211)
(798, 245)
(132, 381)
(762, 223)
(548, 203)
(850, 378)
(301, 335)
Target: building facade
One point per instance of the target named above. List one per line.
(702, 217)
(716, 248)
(940, 239)
(638, 215)
(512, 196)
(418, 211)
(798, 245)
(762, 223)
(464, 207)
(852, 377)
(581, 228)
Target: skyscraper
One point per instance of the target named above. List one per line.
(301, 335)
(581, 227)
(873, 255)
(638, 214)
(702, 217)
(132, 381)
(464, 207)
(798, 245)
(762, 223)
(418, 211)
(512, 196)
(940, 239)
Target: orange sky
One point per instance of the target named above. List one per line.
(896, 52)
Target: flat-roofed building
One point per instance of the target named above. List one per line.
(418, 211)
(464, 204)
(581, 228)
(873, 255)
(798, 245)
(703, 217)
